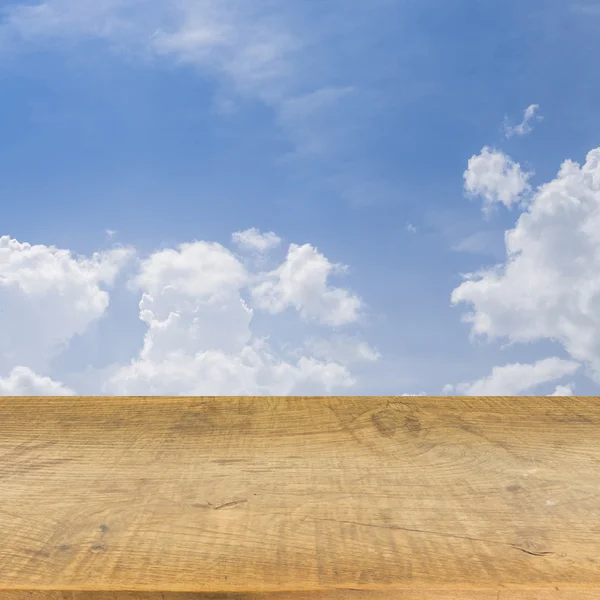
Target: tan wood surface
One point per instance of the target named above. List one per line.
(431, 594)
(333, 498)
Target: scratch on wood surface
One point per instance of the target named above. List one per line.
(231, 504)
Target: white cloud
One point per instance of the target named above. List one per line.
(191, 301)
(199, 269)
(47, 296)
(249, 47)
(253, 239)
(258, 50)
(515, 379)
(199, 338)
(22, 381)
(301, 282)
(549, 285)
(410, 227)
(564, 390)
(495, 178)
(125, 25)
(525, 126)
(255, 370)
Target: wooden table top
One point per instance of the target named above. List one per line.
(155, 498)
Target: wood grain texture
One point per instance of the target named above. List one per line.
(333, 498)
(433, 594)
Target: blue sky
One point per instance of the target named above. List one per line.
(131, 127)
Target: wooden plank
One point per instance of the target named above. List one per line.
(299, 497)
(316, 595)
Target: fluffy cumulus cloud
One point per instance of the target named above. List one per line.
(199, 338)
(301, 282)
(47, 296)
(254, 370)
(22, 381)
(516, 379)
(495, 178)
(253, 239)
(197, 305)
(549, 284)
(564, 390)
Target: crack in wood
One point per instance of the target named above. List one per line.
(450, 535)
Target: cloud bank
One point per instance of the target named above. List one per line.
(548, 287)
(197, 302)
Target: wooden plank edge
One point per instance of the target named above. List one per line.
(338, 594)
